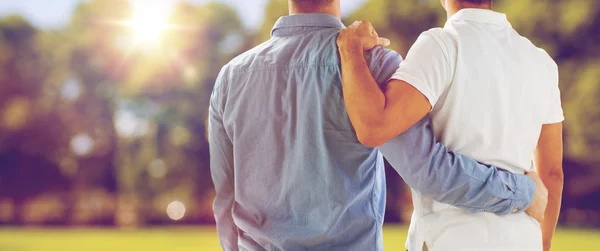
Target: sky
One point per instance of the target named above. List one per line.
(56, 13)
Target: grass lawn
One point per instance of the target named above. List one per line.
(201, 238)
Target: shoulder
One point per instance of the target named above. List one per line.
(547, 61)
(246, 59)
(435, 41)
(541, 56)
(382, 63)
(381, 57)
(444, 37)
(438, 43)
(239, 63)
(549, 68)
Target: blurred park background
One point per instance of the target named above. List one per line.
(103, 107)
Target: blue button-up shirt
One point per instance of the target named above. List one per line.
(288, 170)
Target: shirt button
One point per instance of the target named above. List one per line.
(515, 210)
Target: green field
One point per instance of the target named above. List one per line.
(200, 238)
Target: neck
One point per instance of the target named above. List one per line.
(451, 10)
(332, 9)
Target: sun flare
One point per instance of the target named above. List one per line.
(149, 20)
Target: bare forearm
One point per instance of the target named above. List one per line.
(364, 100)
(548, 158)
(554, 182)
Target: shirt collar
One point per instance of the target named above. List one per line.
(480, 16)
(306, 20)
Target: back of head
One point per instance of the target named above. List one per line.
(475, 1)
(311, 2)
(453, 6)
(307, 6)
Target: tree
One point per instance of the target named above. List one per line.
(30, 136)
(164, 95)
(94, 65)
(273, 11)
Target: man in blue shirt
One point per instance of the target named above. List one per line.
(288, 170)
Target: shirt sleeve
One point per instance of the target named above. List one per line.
(430, 169)
(555, 111)
(221, 168)
(383, 63)
(427, 66)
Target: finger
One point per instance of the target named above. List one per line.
(383, 41)
(369, 25)
(365, 26)
(354, 25)
(374, 33)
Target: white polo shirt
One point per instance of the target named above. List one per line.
(491, 91)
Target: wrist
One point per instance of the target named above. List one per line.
(547, 244)
(525, 191)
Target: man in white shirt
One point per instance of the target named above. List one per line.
(492, 95)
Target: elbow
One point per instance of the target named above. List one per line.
(553, 176)
(369, 133)
(369, 138)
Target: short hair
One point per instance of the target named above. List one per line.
(315, 3)
(476, 1)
